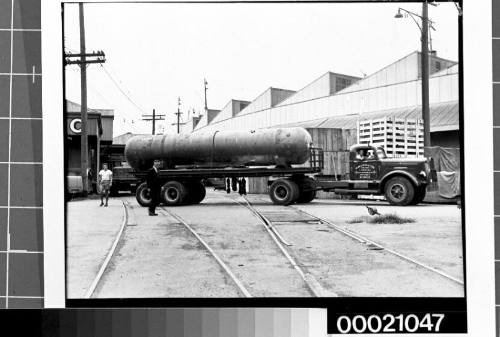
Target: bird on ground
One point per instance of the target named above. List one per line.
(372, 210)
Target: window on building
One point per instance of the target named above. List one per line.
(342, 83)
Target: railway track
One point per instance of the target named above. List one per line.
(237, 282)
(357, 238)
(372, 244)
(243, 282)
(241, 286)
(314, 287)
(163, 211)
(111, 252)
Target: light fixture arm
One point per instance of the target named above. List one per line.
(413, 15)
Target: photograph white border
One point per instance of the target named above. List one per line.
(478, 164)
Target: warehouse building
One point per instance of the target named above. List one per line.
(332, 106)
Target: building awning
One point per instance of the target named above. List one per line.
(444, 117)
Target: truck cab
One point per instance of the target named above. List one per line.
(403, 181)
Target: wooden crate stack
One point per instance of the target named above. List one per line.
(400, 137)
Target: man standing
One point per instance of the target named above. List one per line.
(105, 180)
(153, 183)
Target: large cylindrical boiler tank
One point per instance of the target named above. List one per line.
(263, 147)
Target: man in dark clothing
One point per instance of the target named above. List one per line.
(153, 183)
(242, 184)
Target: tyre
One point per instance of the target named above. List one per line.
(199, 193)
(174, 193)
(195, 193)
(142, 195)
(305, 197)
(399, 191)
(419, 195)
(284, 192)
(307, 184)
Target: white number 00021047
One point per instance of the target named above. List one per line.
(389, 323)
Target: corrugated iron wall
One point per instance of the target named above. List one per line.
(335, 144)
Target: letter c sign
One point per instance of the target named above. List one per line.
(76, 125)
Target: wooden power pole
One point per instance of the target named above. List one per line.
(82, 59)
(83, 84)
(206, 88)
(178, 113)
(153, 117)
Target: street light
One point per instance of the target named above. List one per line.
(424, 32)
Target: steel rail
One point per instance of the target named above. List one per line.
(228, 271)
(367, 241)
(111, 251)
(314, 287)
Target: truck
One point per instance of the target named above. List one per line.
(286, 155)
(124, 179)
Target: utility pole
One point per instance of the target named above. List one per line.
(153, 117)
(425, 76)
(178, 113)
(83, 87)
(82, 59)
(206, 88)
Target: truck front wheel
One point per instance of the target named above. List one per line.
(399, 191)
(142, 195)
(284, 192)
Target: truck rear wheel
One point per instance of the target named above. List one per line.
(142, 195)
(284, 192)
(399, 191)
(173, 193)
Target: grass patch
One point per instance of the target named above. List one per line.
(391, 218)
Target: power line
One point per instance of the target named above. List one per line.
(121, 90)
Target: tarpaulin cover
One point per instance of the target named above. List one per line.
(445, 158)
(448, 184)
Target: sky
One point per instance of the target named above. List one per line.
(156, 53)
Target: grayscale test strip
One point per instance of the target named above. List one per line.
(21, 222)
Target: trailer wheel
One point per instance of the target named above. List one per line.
(419, 195)
(306, 197)
(284, 192)
(199, 193)
(174, 193)
(142, 195)
(399, 191)
(306, 183)
(195, 193)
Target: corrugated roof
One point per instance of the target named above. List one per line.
(444, 117)
(75, 107)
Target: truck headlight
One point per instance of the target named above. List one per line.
(423, 174)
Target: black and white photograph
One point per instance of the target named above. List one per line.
(263, 150)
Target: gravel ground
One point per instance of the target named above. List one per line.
(158, 257)
(90, 233)
(350, 268)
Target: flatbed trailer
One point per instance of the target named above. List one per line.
(402, 181)
(183, 185)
